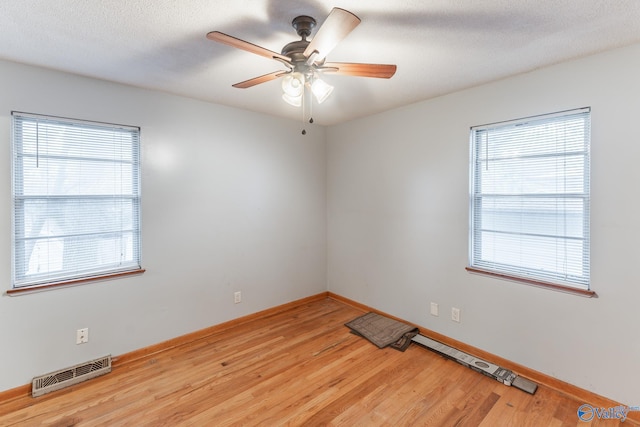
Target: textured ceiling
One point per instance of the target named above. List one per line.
(439, 46)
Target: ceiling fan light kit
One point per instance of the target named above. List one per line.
(305, 60)
(293, 88)
(295, 84)
(321, 90)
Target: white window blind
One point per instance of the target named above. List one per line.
(76, 199)
(529, 198)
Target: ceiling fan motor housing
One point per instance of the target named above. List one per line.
(295, 50)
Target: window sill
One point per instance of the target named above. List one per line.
(69, 283)
(536, 283)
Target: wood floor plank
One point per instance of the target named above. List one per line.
(299, 367)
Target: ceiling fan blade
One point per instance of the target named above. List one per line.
(219, 37)
(262, 79)
(382, 71)
(336, 27)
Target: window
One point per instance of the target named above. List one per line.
(529, 199)
(76, 200)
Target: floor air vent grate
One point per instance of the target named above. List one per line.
(70, 376)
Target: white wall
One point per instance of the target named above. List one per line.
(236, 201)
(398, 224)
(231, 200)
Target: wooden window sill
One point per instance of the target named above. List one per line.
(69, 283)
(536, 283)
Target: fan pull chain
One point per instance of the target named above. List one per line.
(304, 106)
(310, 109)
(306, 99)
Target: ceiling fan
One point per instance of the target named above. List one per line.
(305, 60)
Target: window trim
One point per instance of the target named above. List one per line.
(505, 275)
(70, 283)
(89, 277)
(589, 293)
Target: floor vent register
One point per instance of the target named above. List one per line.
(70, 376)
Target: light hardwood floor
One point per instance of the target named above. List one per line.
(300, 367)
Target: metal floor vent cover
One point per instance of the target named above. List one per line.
(67, 377)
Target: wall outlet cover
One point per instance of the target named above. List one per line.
(434, 309)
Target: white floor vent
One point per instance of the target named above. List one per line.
(70, 376)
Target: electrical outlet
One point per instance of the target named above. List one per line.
(455, 314)
(434, 309)
(237, 297)
(82, 336)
